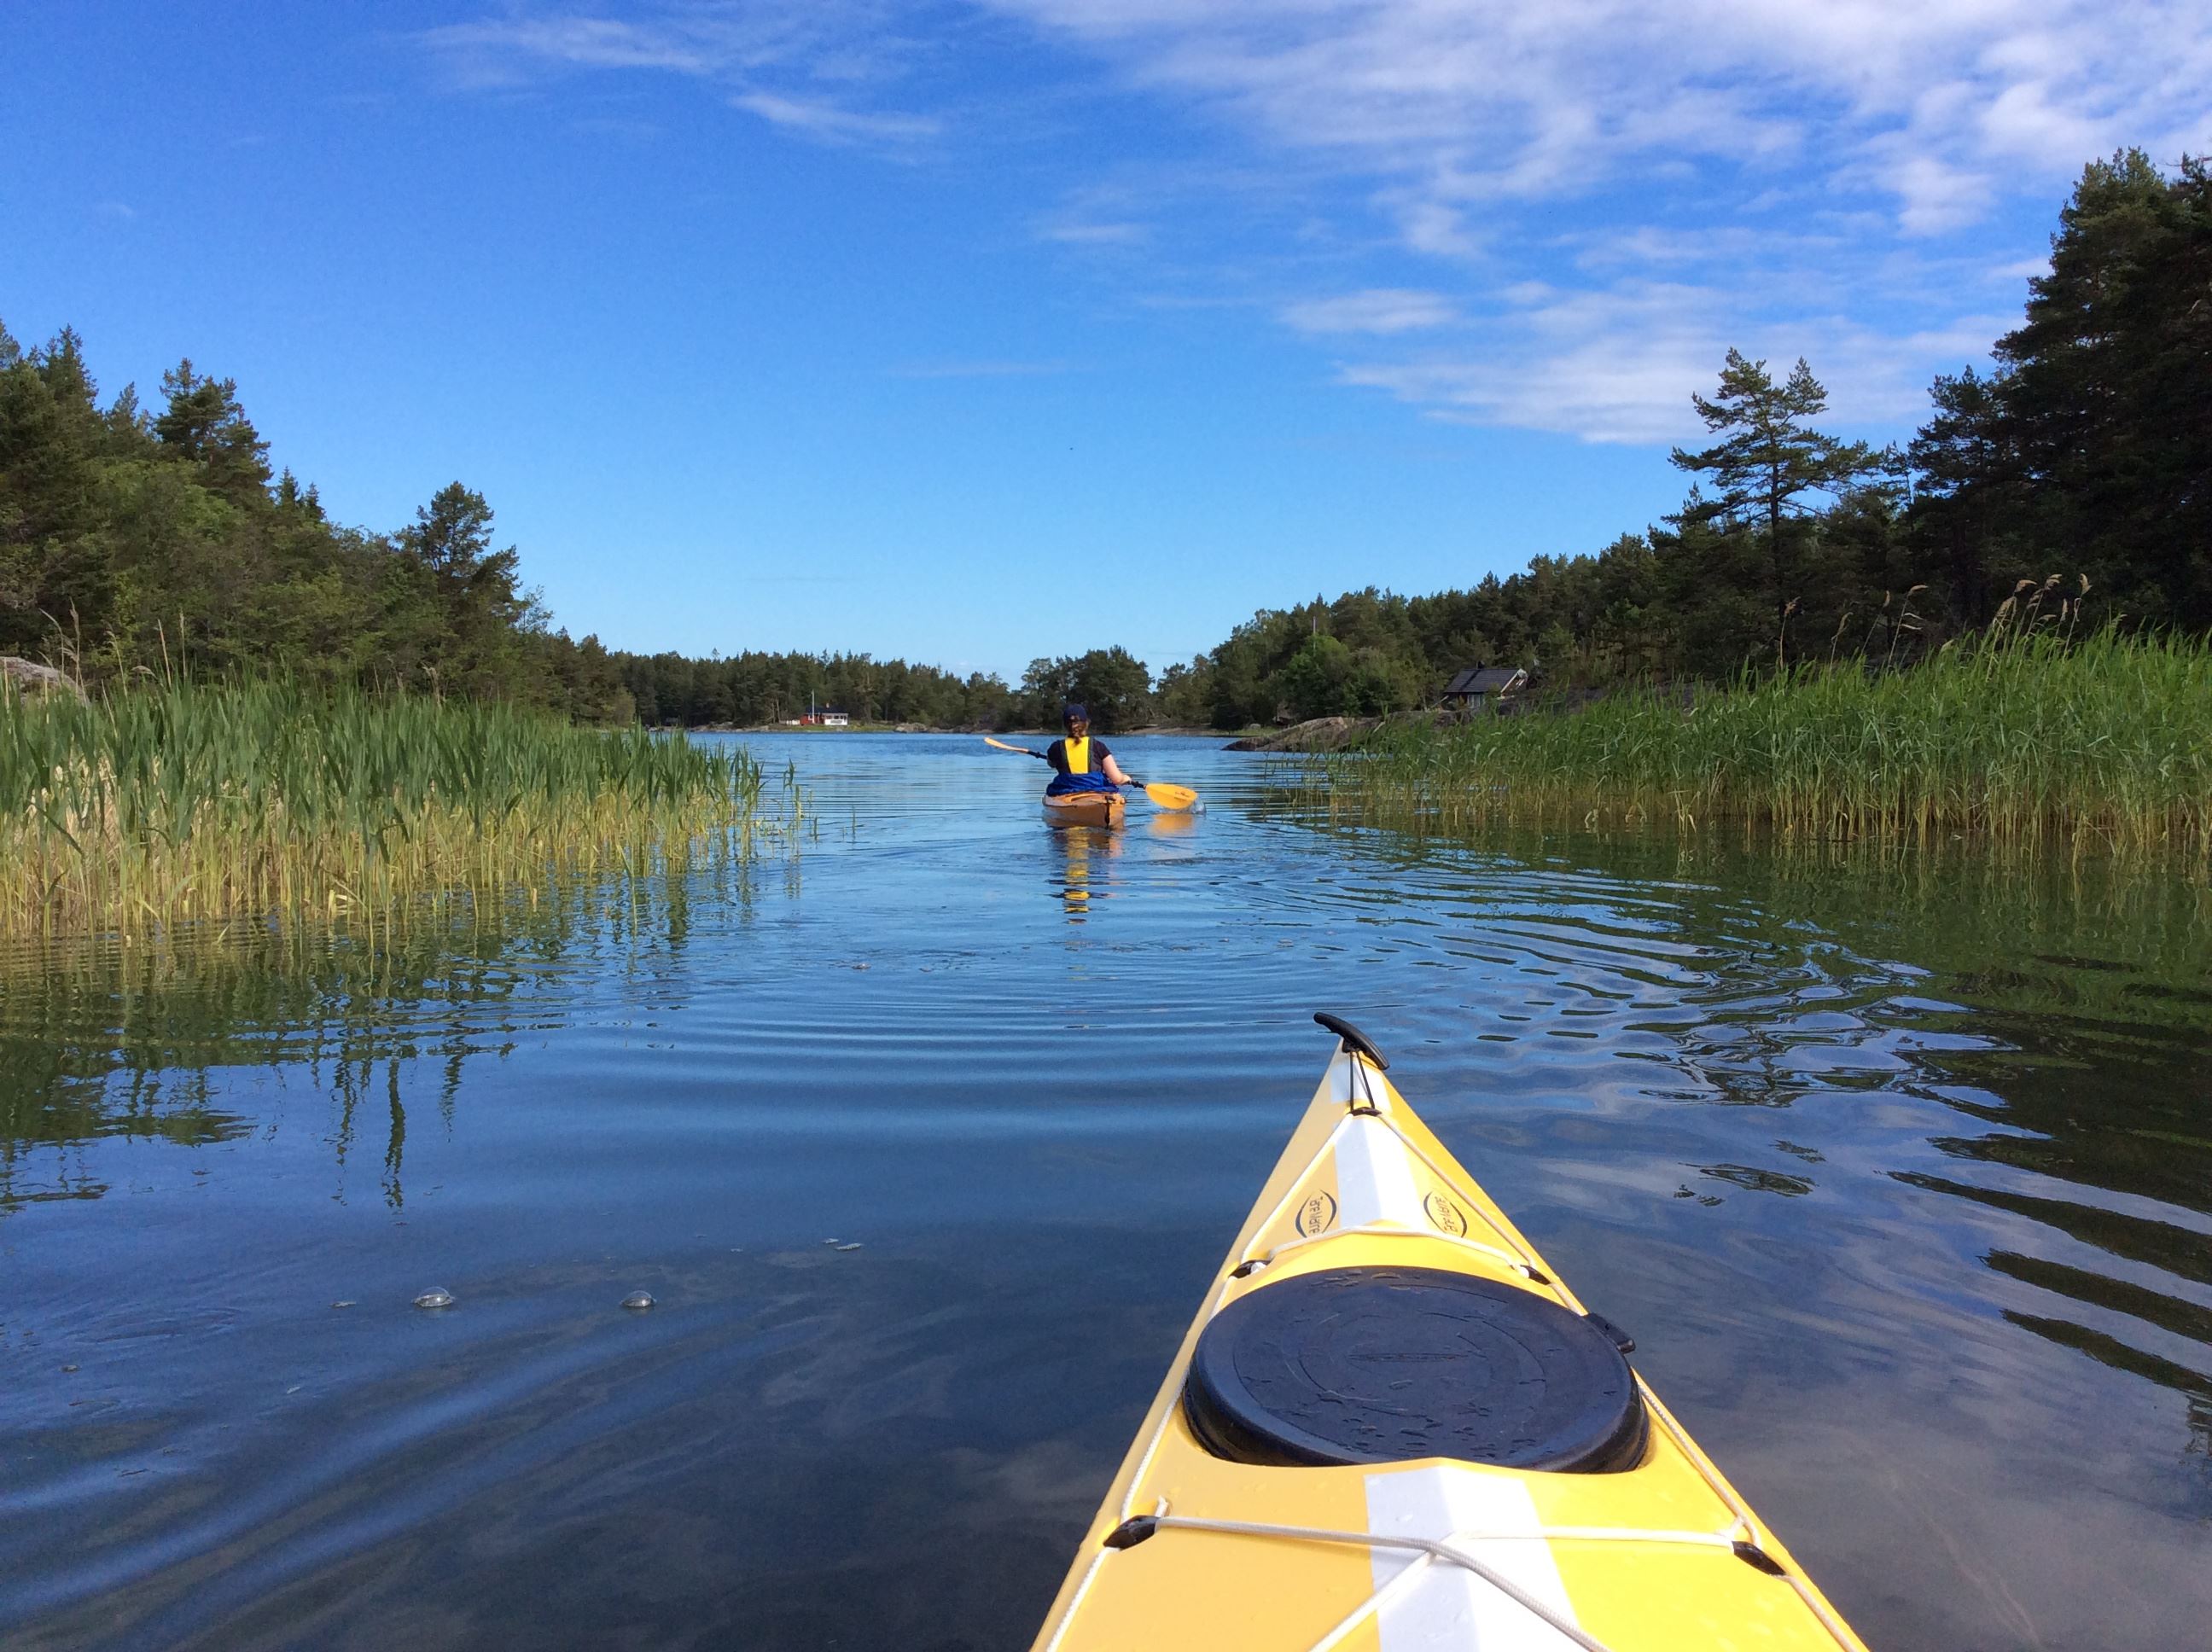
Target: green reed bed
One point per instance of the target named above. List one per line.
(2039, 744)
(179, 802)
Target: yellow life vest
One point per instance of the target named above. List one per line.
(1077, 753)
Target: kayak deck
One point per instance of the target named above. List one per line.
(1085, 808)
(1190, 1550)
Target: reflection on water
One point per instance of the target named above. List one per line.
(1900, 1171)
(104, 1040)
(1085, 851)
(1086, 872)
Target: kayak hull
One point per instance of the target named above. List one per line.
(1660, 1556)
(1084, 808)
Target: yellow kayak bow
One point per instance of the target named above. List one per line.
(1392, 1427)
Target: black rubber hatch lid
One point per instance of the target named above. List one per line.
(1384, 1364)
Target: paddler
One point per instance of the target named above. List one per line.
(1080, 763)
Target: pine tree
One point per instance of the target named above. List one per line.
(1770, 457)
(204, 425)
(2107, 398)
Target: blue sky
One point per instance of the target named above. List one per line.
(972, 332)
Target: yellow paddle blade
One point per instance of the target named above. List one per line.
(1025, 750)
(1171, 797)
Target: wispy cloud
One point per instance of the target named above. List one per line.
(1943, 107)
(817, 118)
(1597, 197)
(817, 68)
(512, 49)
(1619, 364)
(1614, 365)
(1625, 190)
(1384, 310)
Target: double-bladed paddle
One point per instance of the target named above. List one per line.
(1167, 796)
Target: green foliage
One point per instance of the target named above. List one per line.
(673, 689)
(1769, 457)
(130, 544)
(1110, 683)
(1184, 698)
(2095, 434)
(179, 801)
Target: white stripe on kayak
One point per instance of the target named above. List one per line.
(1375, 1176)
(1447, 1608)
(1340, 1078)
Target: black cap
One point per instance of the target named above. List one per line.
(1073, 712)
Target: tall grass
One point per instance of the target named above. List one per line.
(2032, 744)
(180, 802)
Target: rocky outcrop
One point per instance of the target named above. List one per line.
(28, 676)
(1318, 734)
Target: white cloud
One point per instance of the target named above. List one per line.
(1619, 364)
(1604, 194)
(1094, 233)
(1494, 99)
(1382, 310)
(507, 52)
(1615, 366)
(1434, 227)
(1934, 197)
(1639, 187)
(805, 67)
(817, 118)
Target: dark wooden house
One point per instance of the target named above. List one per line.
(1483, 688)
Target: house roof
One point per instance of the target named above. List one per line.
(1485, 680)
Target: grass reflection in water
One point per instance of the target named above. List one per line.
(107, 1038)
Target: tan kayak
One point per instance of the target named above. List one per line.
(1392, 1429)
(1084, 808)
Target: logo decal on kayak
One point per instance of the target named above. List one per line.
(1446, 1216)
(1317, 1214)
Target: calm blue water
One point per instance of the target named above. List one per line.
(1901, 1176)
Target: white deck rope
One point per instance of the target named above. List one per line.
(1721, 1489)
(1524, 1256)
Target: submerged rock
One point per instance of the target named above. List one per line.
(437, 1297)
(638, 1299)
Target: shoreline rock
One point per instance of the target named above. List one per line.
(1315, 734)
(28, 676)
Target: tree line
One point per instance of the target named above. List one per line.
(2076, 474)
(136, 539)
